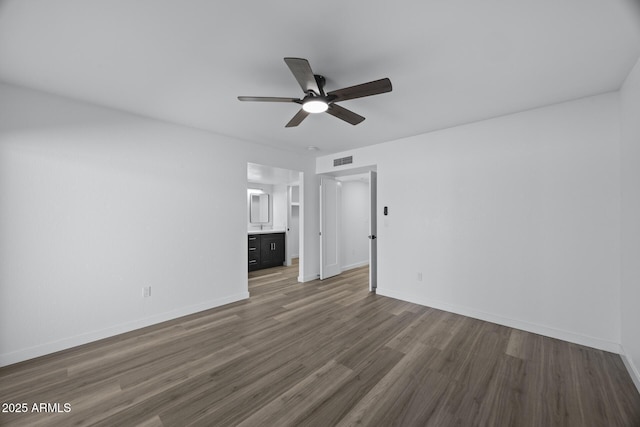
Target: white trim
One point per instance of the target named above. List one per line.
(633, 370)
(573, 337)
(63, 344)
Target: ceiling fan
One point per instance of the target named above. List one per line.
(316, 100)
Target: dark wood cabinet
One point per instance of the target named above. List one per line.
(254, 252)
(265, 250)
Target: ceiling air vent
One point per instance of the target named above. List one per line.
(343, 161)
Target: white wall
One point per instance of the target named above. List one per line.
(514, 220)
(355, 224)
(280, 206)
(95, 204)
(630, 102)
(294, 224)
(294, 232)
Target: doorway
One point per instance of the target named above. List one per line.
(285, 188)
(348, 220)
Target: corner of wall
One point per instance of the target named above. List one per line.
(630, 232)
(631, 368)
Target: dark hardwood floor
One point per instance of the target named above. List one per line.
(324, 353)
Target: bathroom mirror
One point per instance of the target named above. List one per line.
(259, 212)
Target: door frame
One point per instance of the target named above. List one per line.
(300, 182)
(373, 230)
(373, 258)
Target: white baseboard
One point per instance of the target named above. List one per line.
(63, 344)
(631, 367)
(355, 265)
(573, 337)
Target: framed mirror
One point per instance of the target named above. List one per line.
(259, 212)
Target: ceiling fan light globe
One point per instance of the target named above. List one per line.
(315, 106)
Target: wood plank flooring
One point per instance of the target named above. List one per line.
(325, 353)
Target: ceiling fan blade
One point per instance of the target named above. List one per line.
(365, 89)
(297, 119)
(267, 99)
(344, 114)
(304, 75)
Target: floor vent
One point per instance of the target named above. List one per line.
(343, 161)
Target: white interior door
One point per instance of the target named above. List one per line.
(373, 231)
(329, 228)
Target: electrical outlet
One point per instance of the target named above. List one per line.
(146, 291)
(419, 277)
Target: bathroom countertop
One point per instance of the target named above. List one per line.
(275, 230)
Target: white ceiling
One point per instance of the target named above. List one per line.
(450, 61)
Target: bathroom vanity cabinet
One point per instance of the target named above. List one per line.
(265, 250)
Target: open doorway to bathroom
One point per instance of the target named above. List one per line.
(274, 217)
